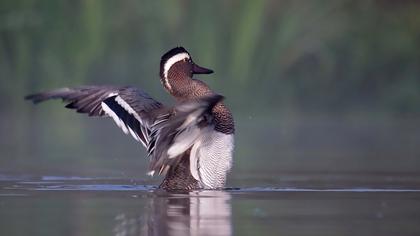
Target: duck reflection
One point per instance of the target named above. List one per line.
(191, 213)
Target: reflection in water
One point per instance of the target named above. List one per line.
(75, 206)
(192, 213)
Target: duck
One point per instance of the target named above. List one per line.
(190, 144)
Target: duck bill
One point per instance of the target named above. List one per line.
(200, 70)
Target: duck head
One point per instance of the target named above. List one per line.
(177, 67)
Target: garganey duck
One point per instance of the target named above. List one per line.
(191, 143)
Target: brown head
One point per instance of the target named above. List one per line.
(177, 69)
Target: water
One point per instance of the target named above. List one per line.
(60, 205)
(72, 175)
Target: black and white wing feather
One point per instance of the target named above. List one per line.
(166, 133)
(130, 108)
(173, 135)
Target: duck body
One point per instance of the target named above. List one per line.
(191, 143)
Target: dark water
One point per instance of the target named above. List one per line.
(55, 205)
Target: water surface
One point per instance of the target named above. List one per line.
(60, 205)
(306, 176)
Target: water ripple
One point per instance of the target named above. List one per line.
(74, 183)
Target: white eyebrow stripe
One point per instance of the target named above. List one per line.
(171, 61)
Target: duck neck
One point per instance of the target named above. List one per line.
(181, 87)
(187, 88)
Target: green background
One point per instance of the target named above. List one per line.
(315, 86)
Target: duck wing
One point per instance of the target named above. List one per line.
(132, 109)
(173, 135)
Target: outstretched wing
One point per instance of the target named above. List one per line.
(130, 108)
(173, 135)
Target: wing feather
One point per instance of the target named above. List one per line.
(171, 136)
(167, 133)
(130, 108)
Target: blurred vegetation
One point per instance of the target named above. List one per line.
(320, 56)
(276, 61)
